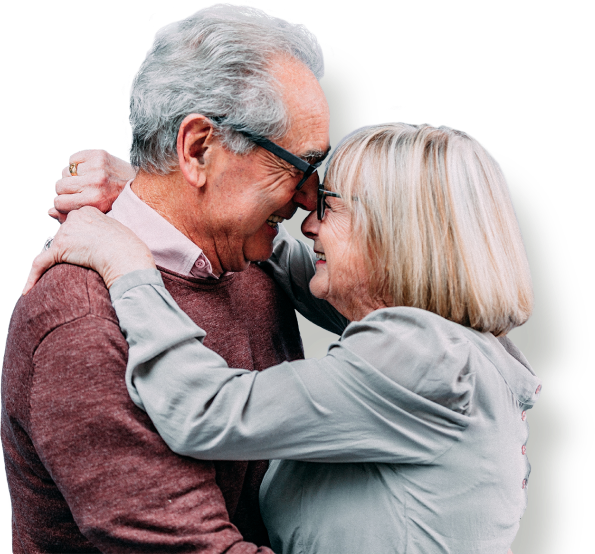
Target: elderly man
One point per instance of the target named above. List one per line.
(86, 469)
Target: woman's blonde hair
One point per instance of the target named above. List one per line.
(432, 209)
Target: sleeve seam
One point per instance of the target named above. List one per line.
(68, 322)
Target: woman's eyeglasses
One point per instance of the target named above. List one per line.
(321, 202)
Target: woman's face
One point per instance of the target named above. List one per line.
(340, 277)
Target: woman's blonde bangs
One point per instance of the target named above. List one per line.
(432, 211)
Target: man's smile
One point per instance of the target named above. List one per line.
(274, 220)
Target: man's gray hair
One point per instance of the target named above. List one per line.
(217, 63)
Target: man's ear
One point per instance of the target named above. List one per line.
(195, 137)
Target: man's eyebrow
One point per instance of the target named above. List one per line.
(313, 156)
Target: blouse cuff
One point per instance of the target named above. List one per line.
(134, 279)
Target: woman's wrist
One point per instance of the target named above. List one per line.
(123, 267)
(136, 278)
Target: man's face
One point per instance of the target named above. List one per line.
(247, 190)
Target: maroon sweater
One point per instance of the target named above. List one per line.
(86, 469)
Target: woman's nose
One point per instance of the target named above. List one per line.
(311, 225)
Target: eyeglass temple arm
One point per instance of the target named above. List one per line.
(325, 192)
(270, 146)
(281, 153)
(275, 149)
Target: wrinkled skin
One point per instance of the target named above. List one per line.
(341, 279)
(91, 239)
(218, 199)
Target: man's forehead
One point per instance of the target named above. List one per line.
(307, 108)
(311, 140)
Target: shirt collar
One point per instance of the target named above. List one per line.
(171, 249)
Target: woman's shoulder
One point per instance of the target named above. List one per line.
(412, 332)
(427, 335)
(434, 357)
(417, 350)
(412, 315)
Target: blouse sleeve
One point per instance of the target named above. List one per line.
(292, 265)
(341, 408)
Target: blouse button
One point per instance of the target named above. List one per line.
(523, 415)
(523, 449)
(524, 483)
(200, 264)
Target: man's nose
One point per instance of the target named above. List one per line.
(305, 198)
(310, 225)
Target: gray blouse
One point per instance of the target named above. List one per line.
(420, 421)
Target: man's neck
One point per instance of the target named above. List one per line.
(177, 202)
(159, 193)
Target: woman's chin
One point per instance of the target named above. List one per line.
(319, 284)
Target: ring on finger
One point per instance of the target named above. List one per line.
(72, 168)
(48, 243)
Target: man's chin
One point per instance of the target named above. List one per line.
(259, 252)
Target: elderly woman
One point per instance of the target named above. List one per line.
(418, 410)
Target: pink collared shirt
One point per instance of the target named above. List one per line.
(171, 249)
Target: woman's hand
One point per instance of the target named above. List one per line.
(91, 239)
(100, 179)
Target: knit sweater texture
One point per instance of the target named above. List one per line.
(86, 468)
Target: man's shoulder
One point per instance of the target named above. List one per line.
(63, 294)
(67, 309)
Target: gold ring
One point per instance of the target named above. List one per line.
(72, 169)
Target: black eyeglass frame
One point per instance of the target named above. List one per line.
(285, 155)
(320, 203)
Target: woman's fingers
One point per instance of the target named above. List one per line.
(99, 179)
(88, 187)
(52, 212)
(41, 264)
(90, 239)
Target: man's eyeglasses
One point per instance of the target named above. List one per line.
(285, 155)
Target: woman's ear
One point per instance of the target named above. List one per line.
(195, 138)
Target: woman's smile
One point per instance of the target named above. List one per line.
(321, 258)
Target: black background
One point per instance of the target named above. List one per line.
(66, 68)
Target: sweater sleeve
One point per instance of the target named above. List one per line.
(341, 408)
(126, 490)
(292, 265)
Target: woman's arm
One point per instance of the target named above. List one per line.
(293, 265)
(337, 409)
